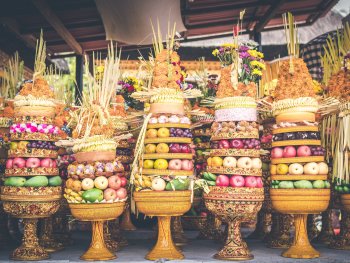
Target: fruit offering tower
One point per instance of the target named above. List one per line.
(163, 167)
(95, 188)
(32, 186)
(298, 171)
(234, 166)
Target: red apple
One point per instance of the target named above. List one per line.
(250, 181)
(124, 181)
(277, 152)
(9, 163)
(303, 151)
(109, 194)
(54, 164)
(236, 143)
(174, 148)
(224, 144)
(47, 162)
(32, 162)
(114, 182)
(175, 164)
(185, 148)
(121, 193)
(204, 214)
(259, 182)
(289, 151)
(186, 165)
(19, 162)
(237, 181)
(222, 180)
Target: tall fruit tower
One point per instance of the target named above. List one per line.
(234, 166)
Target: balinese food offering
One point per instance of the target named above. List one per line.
(298, 171)
(234, 166)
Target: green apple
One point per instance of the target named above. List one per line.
(303, 184)
(197, 140)
(286, 185)
(199, 152)
(265, 167)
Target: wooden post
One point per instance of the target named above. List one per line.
(79, 65)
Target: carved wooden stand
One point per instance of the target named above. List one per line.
(30, 248)
(177, 231)
(342, 241)
(211, 228)
(111, 244)
(326, 234)
(279, 236)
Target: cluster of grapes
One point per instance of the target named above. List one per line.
(123, 152)
(317, 151)
(251, 143)
(177, 132)
(296, 136)
(42, 145)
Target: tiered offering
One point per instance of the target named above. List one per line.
(163, 166)
(234, 166)
(32, 186)
(298, 172)
(95, 188)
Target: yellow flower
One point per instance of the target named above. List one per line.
(253, 52)
(256, 72)
(100, 68)
(215, 52)
(260, 55)
(230, 45)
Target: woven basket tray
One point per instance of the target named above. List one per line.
(295, 129)
(40, 153)
(296, 143)
(169, 140)
(239, 171)
(168, 125)
(307, 159)
(167, 172)
(299, 177)
(33, 137)
(234, 135)
(235, 152)
(31, 171)
(168, 156)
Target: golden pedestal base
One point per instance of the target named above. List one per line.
(97, 214)
(163, 204)
(233, 206)
(30, 203)
(300, 202)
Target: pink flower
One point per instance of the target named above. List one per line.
(33, 129)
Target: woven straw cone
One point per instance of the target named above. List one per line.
(298, 159)
(295, 129)
(345, 200)
(296, 142)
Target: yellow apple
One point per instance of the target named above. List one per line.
(148, 164)
(22, 144)
(150, 148)
(162, 148)
(161, 164)
(282, 168)
(209, 161)
(216, 161)
(151, 133)
(273, 169)
(163, 132)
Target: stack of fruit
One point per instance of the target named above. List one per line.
(202, 143)
(168, 154)
(298, 170)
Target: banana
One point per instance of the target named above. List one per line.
(148, 184)
(68, 191)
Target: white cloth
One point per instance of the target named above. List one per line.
(129, 21)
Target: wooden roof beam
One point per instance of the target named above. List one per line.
(57, 24)
(270, 13)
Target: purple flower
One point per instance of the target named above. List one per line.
(246, 68)
(221, 50)
(243, 48)
(244, 54)
(190, 86)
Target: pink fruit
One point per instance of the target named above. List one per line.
(47, 162)
(289, 151)
(303, 151)
(19, 162)
(204, 214)
(175, 164)
(250, 181)
(121, 193)
(9, 163)
(222, 180)
(187, 165)
(236, 143)
(237, 181)
(54, 164)
(224, 144)
(185, 148)
(114, 182)
(174, 148)
(259, 182)
(109, 194)
(124, 181)
(277, 152)
(32, 162)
